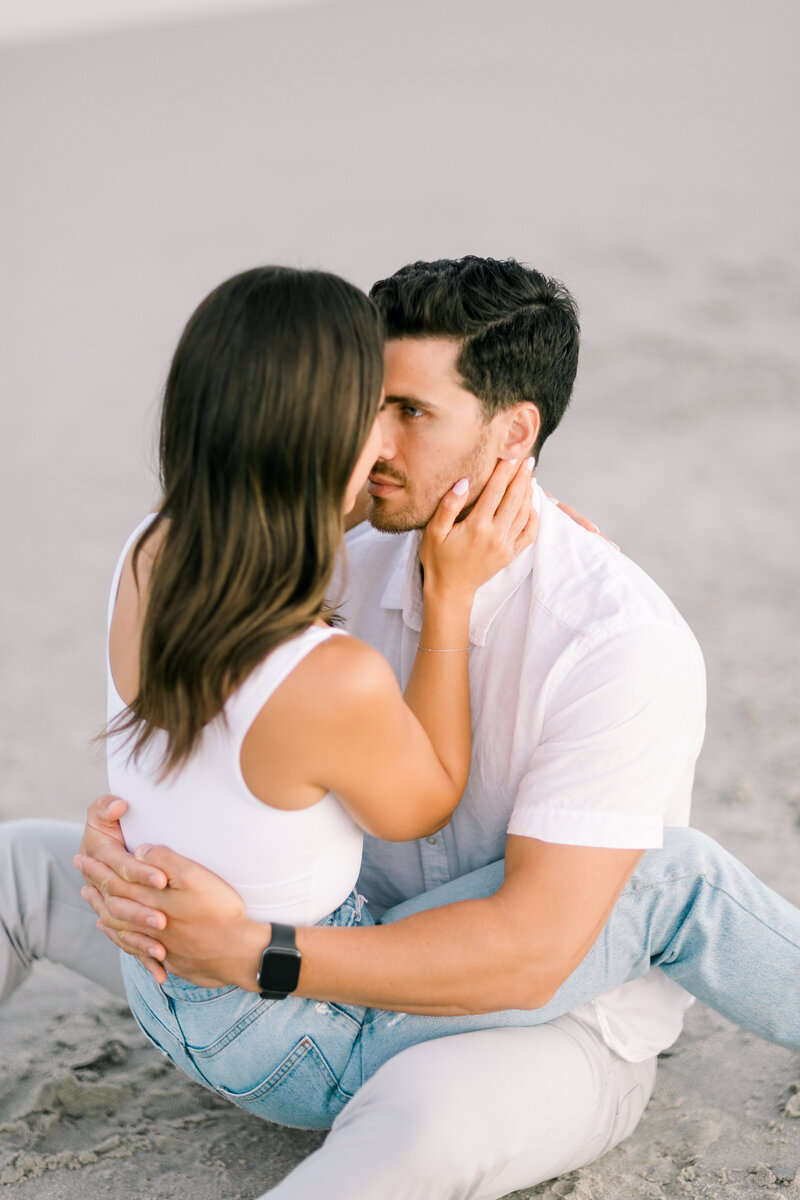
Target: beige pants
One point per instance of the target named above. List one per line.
(476, 1116)
(42, 915)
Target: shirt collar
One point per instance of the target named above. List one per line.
(403, 590)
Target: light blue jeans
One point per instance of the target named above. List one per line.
(691, 909)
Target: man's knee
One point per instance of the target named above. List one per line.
(685, 852)
(25, 873)
(32, 839)
(35, 857)
(42, 915)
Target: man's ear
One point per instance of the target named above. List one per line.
(520, 429)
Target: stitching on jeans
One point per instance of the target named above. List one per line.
(641, 887)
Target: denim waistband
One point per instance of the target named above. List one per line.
(349, 912)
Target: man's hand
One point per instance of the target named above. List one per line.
(170, 912)
(112, 875)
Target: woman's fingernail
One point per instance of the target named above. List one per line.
(141, 852)
(462, 487)
(154, 922)
(530, 463)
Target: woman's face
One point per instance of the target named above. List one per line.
(371, 451)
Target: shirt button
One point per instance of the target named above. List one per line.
(432, 840)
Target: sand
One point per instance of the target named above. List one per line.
(672, 213)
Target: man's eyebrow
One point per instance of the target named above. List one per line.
(412, 401)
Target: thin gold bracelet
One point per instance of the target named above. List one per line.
(450, 650)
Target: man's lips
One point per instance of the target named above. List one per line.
(377, 485)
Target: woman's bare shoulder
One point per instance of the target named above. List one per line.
(349, 667)
(337, 676)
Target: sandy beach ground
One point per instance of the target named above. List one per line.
(648, 157)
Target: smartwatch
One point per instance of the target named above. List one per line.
(279, 970)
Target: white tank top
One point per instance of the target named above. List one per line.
(288, 866)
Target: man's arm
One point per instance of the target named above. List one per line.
(509, 950)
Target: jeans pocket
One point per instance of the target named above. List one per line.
(284, 1062)
(210, 1024)
(302, 1090)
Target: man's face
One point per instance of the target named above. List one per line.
(434, 434)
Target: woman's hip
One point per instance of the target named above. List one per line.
(285, 1060)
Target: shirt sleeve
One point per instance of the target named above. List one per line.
(622, 731)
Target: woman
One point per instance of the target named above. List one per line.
(221, 647)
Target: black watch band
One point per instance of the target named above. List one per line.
(279, 970)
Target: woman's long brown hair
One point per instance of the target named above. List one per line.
(269, 399)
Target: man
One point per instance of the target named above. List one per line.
(588, 704)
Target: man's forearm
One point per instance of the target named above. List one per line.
(462, 958)
(511, 949)
(444, 961)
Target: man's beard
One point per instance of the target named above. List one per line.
(420, 505)
(399, 522)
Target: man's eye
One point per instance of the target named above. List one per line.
(411, 412)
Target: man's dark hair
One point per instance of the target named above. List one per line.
(519, 329)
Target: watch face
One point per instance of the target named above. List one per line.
(280, 970)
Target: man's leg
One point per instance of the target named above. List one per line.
(695, 911)
(476, 1116)
(42, 915)
(717, 930)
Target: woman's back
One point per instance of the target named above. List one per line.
(289, 865)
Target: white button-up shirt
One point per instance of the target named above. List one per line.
(588, 709)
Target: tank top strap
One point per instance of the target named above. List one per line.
(137, 533)
(244, 705)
